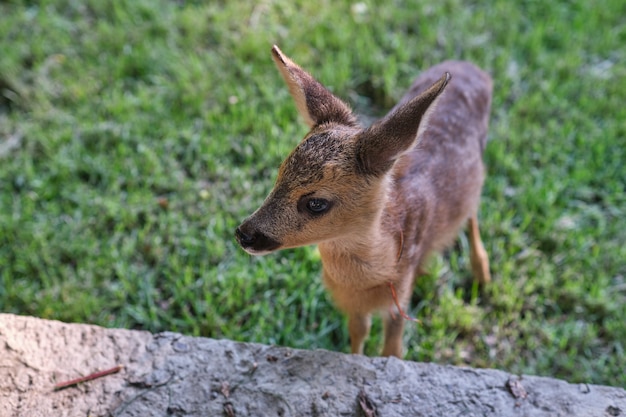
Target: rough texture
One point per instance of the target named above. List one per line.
(172, 375)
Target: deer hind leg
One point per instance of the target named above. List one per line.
(358, 327)
(394, 329)
(478, 254)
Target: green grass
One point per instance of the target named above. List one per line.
(136, 135)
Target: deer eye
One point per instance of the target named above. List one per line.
(314, 206)
(317, 205)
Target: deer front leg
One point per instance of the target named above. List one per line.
(394, 329)
(358, 327)
(478, 254)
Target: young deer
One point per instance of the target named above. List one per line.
(378, 200)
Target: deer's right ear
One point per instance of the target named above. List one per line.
(315, 103)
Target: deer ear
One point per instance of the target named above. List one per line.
(315, 103)
(399, 131)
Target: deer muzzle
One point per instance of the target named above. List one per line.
(254, 241)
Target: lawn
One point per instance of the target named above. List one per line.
(136, 135)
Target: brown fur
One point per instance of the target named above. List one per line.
(396, 191)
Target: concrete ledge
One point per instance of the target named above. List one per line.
(172, 375)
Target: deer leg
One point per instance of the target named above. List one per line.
(394, 329)
(478, 254)
(359, 328)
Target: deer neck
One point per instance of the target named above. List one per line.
(368, 255)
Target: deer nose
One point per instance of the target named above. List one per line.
(254, 241)
(244, 238)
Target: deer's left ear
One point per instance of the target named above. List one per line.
(315, 103)
(385, 141)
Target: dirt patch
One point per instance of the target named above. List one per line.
(169, 374)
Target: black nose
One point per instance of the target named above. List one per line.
(255, 241)
(244, 238)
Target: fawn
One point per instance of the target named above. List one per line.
(378, 200)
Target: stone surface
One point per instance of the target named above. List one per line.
(169, 374)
